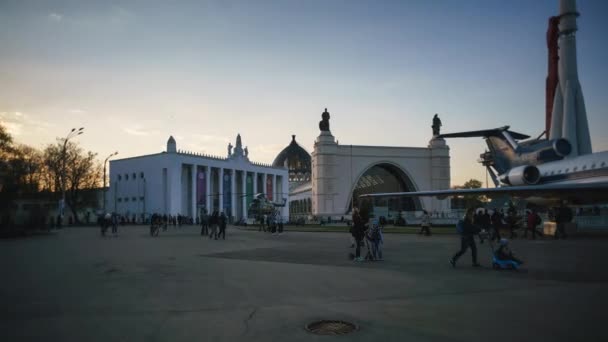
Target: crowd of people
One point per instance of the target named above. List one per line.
(214, 225)
(271, 223)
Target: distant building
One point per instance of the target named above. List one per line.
(187, 183)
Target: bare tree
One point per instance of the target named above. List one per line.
(82, 171)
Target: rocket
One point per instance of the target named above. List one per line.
(569, 117)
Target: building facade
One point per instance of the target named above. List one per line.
(185, 183)
(342, 173)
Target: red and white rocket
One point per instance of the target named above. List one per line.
(568, 117)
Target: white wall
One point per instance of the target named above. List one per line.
(337, 168)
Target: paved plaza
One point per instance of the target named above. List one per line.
(74, 285)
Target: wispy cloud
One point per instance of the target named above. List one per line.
(265, 152)
(137, 130)
(210, 138)
(18, 122)
(55, 17)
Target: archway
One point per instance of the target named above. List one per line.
(385, 177)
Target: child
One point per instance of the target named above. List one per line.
(504, 253)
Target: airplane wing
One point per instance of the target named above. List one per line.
(585, 193)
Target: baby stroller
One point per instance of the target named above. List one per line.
(507, 262)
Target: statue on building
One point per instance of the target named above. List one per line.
(246, 152)
(238, 141)
(436, 125)
(229, 149)
(324, 124)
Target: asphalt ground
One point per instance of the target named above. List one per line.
(74, 285)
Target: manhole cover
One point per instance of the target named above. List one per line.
(326, 327)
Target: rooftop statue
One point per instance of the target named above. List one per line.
(324, 124)
(436, 125)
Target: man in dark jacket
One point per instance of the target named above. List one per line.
(358, 232)
(469, 230)
(563, 215)
(222, 224)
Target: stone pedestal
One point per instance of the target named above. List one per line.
(324, 174)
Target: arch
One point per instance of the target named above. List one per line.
(385, 176)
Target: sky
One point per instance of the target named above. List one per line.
(135, 72)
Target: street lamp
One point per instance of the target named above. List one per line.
(104, 180)
(74, 132)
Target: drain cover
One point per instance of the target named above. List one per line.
(327, 327)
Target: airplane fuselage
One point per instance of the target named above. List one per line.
(588, 168)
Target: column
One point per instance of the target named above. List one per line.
(255, 183)
(233, 193)
(208, 197)
(244, 193)
(275, 198)
(221, 180)
(193, 188)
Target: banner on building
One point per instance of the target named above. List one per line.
(201, 189)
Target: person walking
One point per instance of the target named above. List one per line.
(213, 222)
(533, 220)
(358, 233)
(425, 224)
(222, 224)
(114, 224)
(204, 223)
(563, 216)
(495, 221)
(467, 230)
(280, 222)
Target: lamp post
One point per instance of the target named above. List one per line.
(104, 180)
(74, 132)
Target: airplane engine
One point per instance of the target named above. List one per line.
(559, 149)
(521, 175)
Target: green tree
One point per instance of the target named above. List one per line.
(472, 201)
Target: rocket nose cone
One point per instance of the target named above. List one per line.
(567, 6)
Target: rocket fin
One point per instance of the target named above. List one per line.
(557, 115)
(569, 118)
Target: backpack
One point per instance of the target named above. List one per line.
(460, 226)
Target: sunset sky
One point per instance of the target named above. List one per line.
(134, 72)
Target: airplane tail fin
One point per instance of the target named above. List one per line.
(502, 145)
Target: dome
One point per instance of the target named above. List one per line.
(297, 160)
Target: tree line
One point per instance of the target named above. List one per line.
(26, 171)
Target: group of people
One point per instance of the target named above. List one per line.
(272, 223)
(366, 234)
(214, 225)
(109, 220)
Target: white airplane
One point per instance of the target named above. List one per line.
(537, 170)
